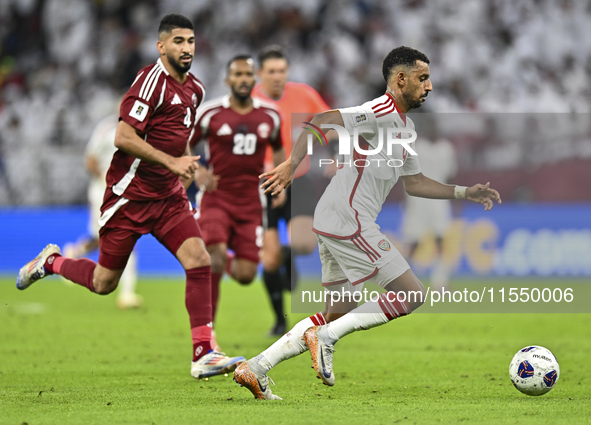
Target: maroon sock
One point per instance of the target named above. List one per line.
(198, 302)
(49, 264)
(79, 271)
(215, 292)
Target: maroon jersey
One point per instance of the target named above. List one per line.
(163, 112)
(237, 145)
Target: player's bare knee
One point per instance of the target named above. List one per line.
(245, 278)
(200, 259)
(244, 271)
(104, 286)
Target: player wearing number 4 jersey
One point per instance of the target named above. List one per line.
(238, 130)
(144, 193)
(352, 249)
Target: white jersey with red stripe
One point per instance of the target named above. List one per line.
(351, 202)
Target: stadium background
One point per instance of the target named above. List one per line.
(511, 92)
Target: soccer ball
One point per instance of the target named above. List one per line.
(534, 370)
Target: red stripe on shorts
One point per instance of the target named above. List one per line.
(362, 249)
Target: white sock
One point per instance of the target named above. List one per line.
(366, 316)
(129, 277)
(290, 344)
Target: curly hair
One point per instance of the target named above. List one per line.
(401, 56)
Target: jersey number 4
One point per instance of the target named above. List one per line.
(187, 121)
(244, 144)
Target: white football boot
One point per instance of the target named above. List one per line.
(214, 363)
(35, 269)
(321, 353)
(257, 383)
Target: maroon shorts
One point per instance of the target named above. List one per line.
(238, 227)
(170, 220)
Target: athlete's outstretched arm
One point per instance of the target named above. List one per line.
(424, 187)
(278, 156)
(128, 141)
(280, 178)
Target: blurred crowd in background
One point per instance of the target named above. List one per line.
(65, 63)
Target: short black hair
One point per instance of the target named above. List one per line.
(237, 58)
(273, 51)
(172, 21)
(401, 56)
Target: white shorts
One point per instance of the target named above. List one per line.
(348, 263)
(422, 216)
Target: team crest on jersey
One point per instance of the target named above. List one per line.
(263, 130)
(384, 245)
(194, 99)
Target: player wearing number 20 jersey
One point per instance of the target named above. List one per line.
(237, 146)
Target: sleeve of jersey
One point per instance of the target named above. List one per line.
(198, 133)
(348, 115)
(202, 119)
(411, 165)
(142, 98)
(276, 141)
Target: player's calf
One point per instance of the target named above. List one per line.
(409, 289)
(105, 281)
(219, 257)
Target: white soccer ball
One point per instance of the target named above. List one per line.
(534, 370)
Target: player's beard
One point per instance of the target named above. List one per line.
(179, 67)
(241, 97)
(412, 103)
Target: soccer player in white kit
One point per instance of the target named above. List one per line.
(352, 249)
(99, 152)
(423, 216)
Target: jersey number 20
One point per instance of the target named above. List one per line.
(244, 144)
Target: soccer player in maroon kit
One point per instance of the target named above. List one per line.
(145, 195)
(238, 130)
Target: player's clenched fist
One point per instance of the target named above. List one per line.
(184, 166)
(484, 195)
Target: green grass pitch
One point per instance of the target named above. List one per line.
(67, 356)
